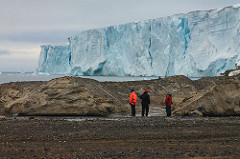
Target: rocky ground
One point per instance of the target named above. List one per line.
(26, 134)
(119, 137)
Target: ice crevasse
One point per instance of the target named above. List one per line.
(196, 44)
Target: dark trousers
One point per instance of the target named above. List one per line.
(133, 110)
(168, 110)
(145, 107)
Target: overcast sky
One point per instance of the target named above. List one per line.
(27, 24)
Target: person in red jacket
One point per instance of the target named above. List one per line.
(168, 103)
(133, 101)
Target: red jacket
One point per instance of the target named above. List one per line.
(133, 98)
(168, 100)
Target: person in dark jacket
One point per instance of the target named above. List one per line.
(168, 103)
(145, 102)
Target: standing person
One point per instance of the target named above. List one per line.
(168, 103)
(133, 101)
(145, 102)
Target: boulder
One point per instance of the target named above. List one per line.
(62, 96)
(234, 72)
(237, 64)
(220, 99)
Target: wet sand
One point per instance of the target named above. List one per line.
(119, 137)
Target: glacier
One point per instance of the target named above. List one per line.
(196, 44)
(55, 59)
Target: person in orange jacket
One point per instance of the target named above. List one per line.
(168, 103)
(133, 101)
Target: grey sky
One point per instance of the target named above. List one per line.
(27, 24)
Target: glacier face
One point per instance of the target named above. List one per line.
(55, 59)
(197, 44)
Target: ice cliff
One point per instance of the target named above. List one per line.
(55, 59)
(197, 44)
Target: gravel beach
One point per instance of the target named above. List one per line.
(119, 137)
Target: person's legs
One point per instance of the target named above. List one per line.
(133, 110)
(147, 110)
(143, 109)
(168, 110)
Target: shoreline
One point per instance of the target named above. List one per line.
(8, 77)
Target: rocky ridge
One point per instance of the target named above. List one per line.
(217, 96)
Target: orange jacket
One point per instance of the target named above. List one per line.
(133, 98)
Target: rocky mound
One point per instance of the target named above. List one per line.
(221, 98)
(79, 96)
(63, 96)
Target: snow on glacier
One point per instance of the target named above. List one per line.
(197, 44)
